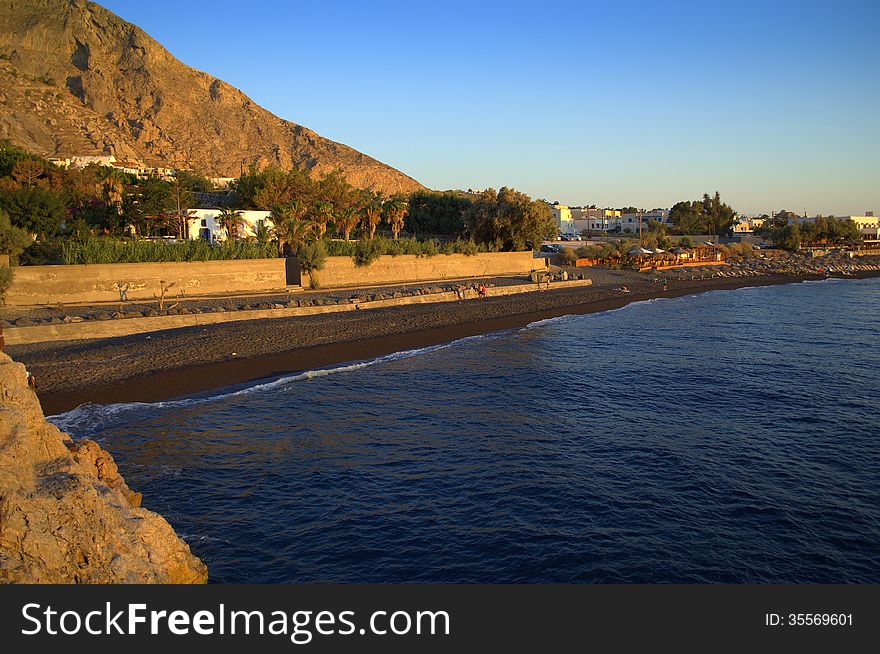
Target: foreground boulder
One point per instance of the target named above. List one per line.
(66, 514)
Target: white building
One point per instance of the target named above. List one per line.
(869, 226)
(597, 220)
(222, 182)
(630, 221)
(203, 224)
(747, 225)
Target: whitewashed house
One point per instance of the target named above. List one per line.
(203, 224)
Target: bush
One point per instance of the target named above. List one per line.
(41, 253)
(367, 251)
(110, 250)
(429, 249)
(568, 256)
(741, 249)
(341, 248)
(311, 258)
(6, 275)
(13, 240)
(468, 248)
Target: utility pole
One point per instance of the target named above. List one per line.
(641, 242)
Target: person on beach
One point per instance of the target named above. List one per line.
(481, 290)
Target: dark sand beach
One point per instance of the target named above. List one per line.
(173, 363)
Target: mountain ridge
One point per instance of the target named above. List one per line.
(75, 79)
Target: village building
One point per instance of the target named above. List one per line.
(203, 224)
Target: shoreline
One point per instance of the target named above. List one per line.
(164, 379)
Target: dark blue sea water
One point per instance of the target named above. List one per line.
(732, 436)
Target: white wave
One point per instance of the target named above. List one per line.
(92, 418)
(827, 280)
(549, 321)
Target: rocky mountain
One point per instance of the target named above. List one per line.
(75, 79)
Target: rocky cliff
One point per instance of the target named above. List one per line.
(66, 514)
(75, 79)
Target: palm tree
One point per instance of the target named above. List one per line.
(395, 214)
(291, 226)
(372, 218)
(183, 217)
(321, 213)
(263, 233)
(347, 220)
(232, 222)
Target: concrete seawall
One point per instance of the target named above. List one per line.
(83, 284)
(129, 326)
(339, 272)
(141, 281)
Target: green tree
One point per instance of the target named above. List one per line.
(687, 217)
(192, 181)
(510, 219)
(444, 213)
(28, 172)
(718, 217)
(790, 237)
(39, 211)
(13, 240)
(292, 228)
(10, 155)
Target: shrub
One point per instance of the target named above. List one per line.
(13, 240)
(6, 275)
(311, 258)
(341, 248)
(741, 249)
(429, 249)
(568, 256)
(110, 250)
(468, 248)
(45, 252)
(367, 251)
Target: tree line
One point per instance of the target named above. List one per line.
(785, 231)
(56, 206)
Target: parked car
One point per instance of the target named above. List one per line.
(550, 249)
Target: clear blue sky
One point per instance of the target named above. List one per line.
(775, 104)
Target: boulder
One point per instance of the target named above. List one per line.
(66, 514)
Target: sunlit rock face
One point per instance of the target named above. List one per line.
(66, 514)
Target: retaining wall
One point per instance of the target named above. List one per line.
(342, 272)
(102, 282)
(81, 284)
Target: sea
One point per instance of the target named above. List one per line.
(724, 437)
